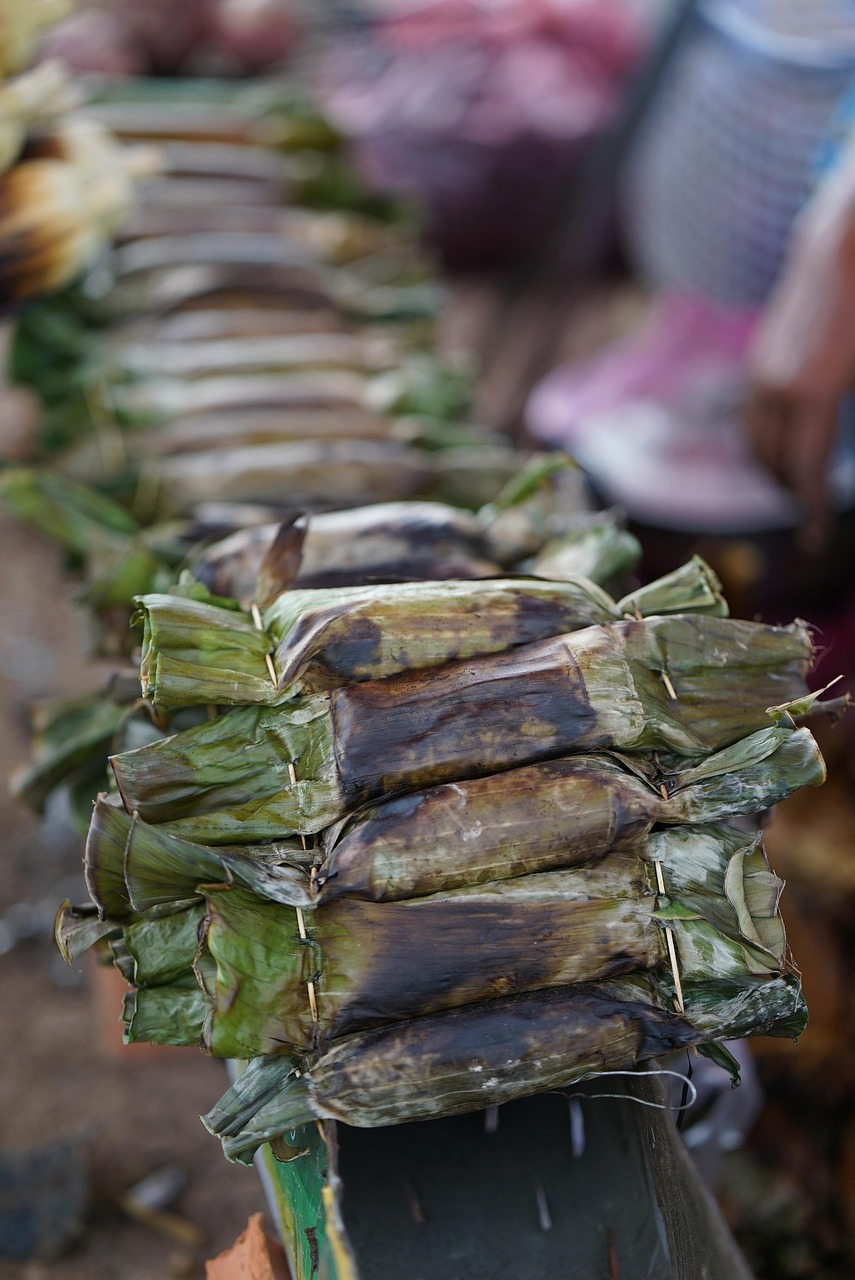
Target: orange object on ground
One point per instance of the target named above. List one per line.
(253, 1256)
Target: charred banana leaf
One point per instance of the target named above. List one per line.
(466, 1059)
(383, 542)
(320, 639)
(686, 684)
(542, 817)
(281, 981)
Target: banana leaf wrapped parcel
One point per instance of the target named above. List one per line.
(382, 542)
(257, 355)
(685, 684)
(123, 555)
(541, 817)
(485, 1054)
(321, 639)
(378, 1012)
(366, 963)
(556, 813)
(417, 540)
(328, 473)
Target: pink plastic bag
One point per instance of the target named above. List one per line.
(656, 422)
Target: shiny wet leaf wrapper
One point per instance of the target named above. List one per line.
(321, 639)
(537, 818)
(370, 963)
(606, 687)
(557, 813)
(383, 542)
(486, 1054)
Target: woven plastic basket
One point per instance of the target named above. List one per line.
(733, 146)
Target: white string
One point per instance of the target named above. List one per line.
(642, 1102)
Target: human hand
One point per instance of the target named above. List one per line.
(802, 360)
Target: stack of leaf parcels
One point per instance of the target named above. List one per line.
(537, 527)
(256, 357)
(441, 845)
(254, 348)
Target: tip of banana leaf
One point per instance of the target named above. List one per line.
(719, 1053)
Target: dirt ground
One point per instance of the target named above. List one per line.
(130, 1112)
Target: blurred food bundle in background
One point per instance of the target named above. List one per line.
(213, 37)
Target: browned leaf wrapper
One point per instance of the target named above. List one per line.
(685, 684)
